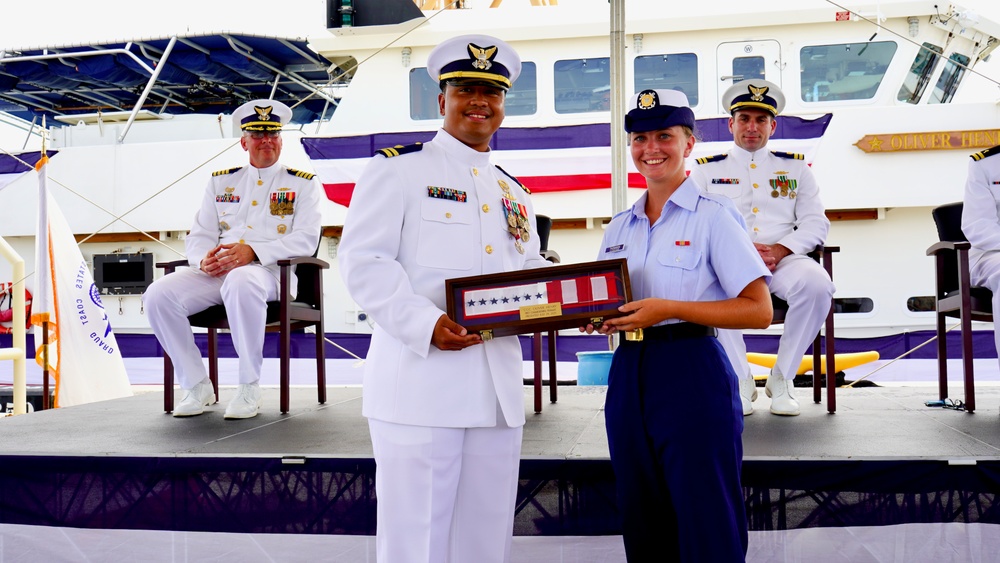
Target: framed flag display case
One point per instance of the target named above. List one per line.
(540, 299)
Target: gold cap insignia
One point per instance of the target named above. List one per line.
(263, 113)
(483, 56)
(757, 94)
(647, 100)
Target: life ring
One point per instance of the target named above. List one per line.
(7, 307)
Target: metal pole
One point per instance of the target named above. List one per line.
(619, 96)
(18, 343)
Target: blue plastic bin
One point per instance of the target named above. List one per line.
(593, 368)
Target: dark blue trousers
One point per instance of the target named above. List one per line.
(675, 428)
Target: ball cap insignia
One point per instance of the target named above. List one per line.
(652, 110)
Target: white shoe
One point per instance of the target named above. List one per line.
(780, 391)
(748, 394)
(245, 403)
(195, 399)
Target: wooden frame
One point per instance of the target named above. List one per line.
(540, 299)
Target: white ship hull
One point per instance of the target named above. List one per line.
(154, 179)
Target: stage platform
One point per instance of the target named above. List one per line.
(883, 459)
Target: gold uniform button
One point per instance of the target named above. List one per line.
(752, 166)
(447, 215)
(489, 249)
(254, 203)
(756, 230)
(755, 210)
(475, 172)
(756, 186)
(242, 242)
(486, 208)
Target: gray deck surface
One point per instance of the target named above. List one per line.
(870, 423)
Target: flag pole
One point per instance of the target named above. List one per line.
(44, 224)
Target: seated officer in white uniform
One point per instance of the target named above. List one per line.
(250, 217)
(445, 409)
(777, 194)
(981, 223)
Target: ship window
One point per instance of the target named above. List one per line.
(921, 304)
(748, 68)
(920, 73)
(582, 85)
(950, 78)
(678, 71)
(522, 99)
(847, 71)
(848, 305)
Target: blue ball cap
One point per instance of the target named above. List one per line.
(754, 94)
(474, 59)
(652, 110)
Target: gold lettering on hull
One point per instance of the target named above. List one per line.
(935, 141)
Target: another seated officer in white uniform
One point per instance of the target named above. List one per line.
(445, 409)
(778, 196)
(677, 456)
(981, 223)
(250, 217)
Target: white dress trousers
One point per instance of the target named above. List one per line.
(245, 291)
(445, 494)
(803, 283)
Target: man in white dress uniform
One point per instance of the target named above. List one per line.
(445, 408)
(250, 217)
(778, 196)
(981, 223)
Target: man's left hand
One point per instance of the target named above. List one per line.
(771, 254)
(234, 255)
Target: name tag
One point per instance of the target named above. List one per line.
(614, 249)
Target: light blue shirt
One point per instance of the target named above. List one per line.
(698, 250)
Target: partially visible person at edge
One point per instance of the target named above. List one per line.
(778, 197)
(445, 409)
(250, 217)
(981, 223)
(673, 411)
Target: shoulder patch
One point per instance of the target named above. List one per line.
(516, 181)
(397, 150)
(789, 155)
(226, 171)
(301, 174)
(988, 152)
(714, 158)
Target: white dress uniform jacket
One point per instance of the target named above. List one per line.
(781, 204)
(416, 220)
(981, 212)
(275, 210)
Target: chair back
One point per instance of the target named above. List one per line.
(307, 280)
(948, 220)
(544, 228)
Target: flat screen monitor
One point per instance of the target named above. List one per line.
(123, 274)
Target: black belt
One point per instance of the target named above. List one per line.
(676, 331)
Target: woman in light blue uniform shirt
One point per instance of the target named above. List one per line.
(673, 412)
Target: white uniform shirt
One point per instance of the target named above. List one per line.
(696, 251)
(778, 197)
(274, 210)
(981, 212)
(416, 220)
